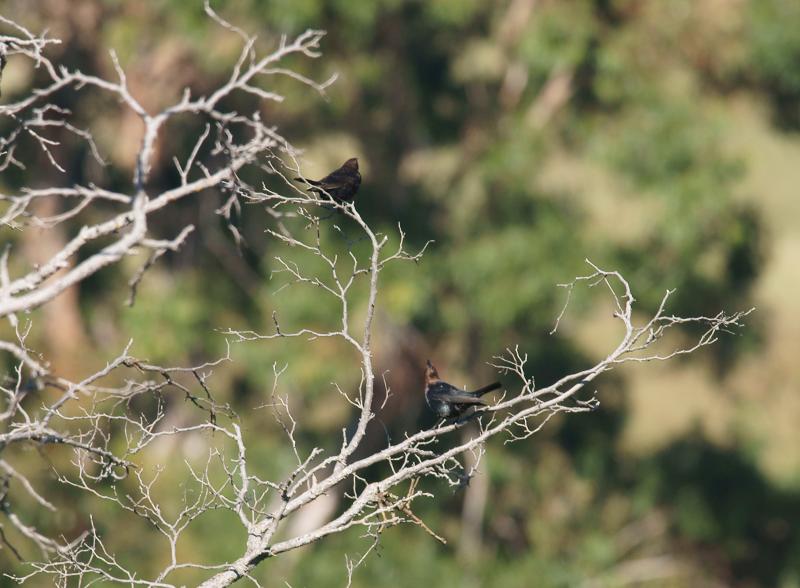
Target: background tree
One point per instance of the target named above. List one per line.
(517, 136)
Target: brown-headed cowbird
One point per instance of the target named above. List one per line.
(341, 184)
(446, 400)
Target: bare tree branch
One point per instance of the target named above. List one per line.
(95, 419)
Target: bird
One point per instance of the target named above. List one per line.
(447, 401)
(3, 60)
(341, 184)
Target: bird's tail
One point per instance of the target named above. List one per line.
(487, 389)
(306, 181)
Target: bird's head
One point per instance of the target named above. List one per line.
(351, 163)
(431, 375)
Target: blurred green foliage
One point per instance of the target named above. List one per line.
(442, 101)
(775, 50)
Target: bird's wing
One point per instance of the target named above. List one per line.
(335, 180)
(463, 399)
(453, 396)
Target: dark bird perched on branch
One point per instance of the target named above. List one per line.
(3, 59)
(446, 400)
(341, 184)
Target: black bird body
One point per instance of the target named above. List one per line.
(341, 184)
(447, 401)
(3, 59)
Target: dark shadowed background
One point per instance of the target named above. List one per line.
(661, 139)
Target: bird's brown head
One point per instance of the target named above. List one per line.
(431, 375)
(351, 163)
